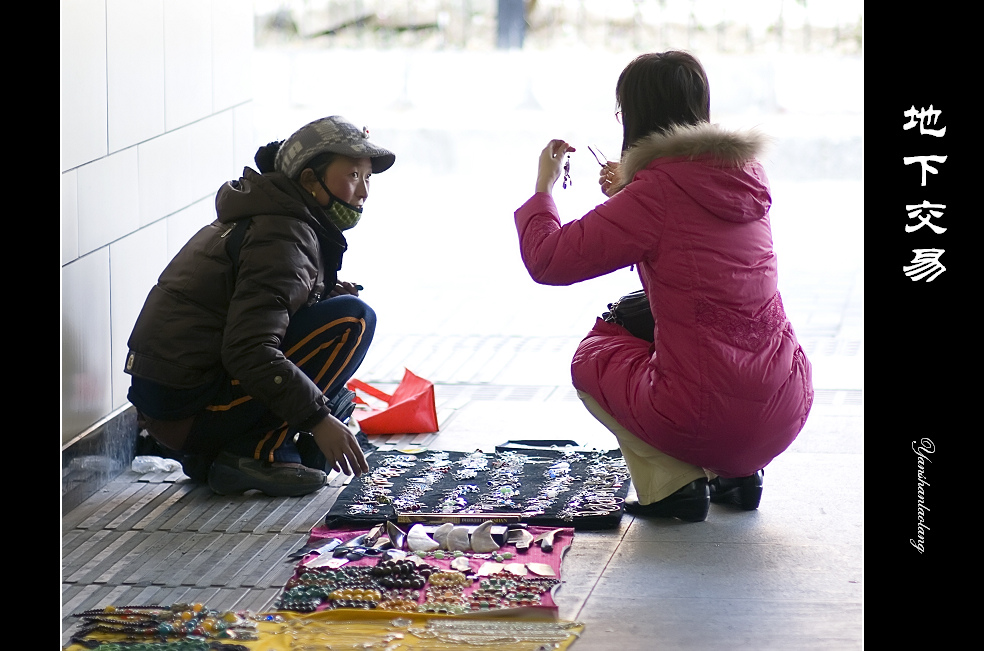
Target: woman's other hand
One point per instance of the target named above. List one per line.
(606, 178)
(341, 450)
(551, 164)
(342, 288)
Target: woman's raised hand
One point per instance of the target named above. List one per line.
(551, 164)
(607, 176)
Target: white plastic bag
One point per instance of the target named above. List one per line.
(143, 465)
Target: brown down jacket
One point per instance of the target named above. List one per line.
(203, 319)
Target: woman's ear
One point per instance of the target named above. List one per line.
(309, 181)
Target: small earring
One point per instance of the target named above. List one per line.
(567, 172)
(314, 194)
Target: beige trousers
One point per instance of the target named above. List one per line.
(654, 474)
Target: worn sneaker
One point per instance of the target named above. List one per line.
(232, 475)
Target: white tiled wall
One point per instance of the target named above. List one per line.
(156, 114)
(83, 82)
(135, 70)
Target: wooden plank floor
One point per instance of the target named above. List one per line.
(785, 577)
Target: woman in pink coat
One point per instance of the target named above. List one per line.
(725, 386)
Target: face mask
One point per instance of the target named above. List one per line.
(343, 215)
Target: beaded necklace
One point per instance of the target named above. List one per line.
(397, 585)
(191, 623)
(180, 645)
(495, 633)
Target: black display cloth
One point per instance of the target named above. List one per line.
(544, 487)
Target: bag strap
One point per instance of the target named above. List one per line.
(234, 241)
(236, 233)
(371, 390)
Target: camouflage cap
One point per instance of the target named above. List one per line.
(332, 134)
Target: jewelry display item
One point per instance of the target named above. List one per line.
(441, 534)
(165, 623)
(445, 578)
(519, 569)
(400, 604)
(540, 487)
(355, 598)
(567, 172)
(419, 541)
(179, 645)
(546, 539)
(363, 509)
(481, 539)
(486, 632)
(396, 535)
(446, 593)
(315, 587)
(402, 574)
(489, 568)
(521, 538)
(458, 539)
(600, 157)
(459, 518)
(541, 569)
(399, 631)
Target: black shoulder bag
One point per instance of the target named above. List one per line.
(633, 313)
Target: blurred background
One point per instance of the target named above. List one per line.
(164, 100)
(468, 92)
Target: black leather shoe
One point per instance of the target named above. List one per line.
(743, 492)
(690, 503)
(231, 475)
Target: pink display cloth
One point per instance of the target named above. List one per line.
(562, 540)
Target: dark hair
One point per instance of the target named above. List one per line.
(660, 90)
(266, 157)
(319, 163)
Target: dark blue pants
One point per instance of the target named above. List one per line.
(328, 342)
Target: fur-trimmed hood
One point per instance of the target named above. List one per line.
(729, 183)
(729, 147)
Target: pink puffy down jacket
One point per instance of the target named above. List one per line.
(726, 386)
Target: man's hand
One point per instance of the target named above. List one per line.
(343, 288)
(340, 448)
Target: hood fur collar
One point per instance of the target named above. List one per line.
(732, 148)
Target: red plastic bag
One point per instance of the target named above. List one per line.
(410, 410)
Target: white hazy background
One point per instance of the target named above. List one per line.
(437, 249)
